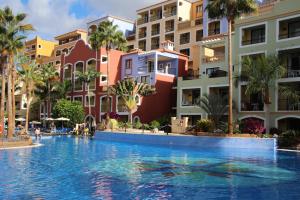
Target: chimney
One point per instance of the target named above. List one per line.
(168, 45)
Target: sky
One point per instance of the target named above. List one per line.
(53, 17)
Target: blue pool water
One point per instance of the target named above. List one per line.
(73, 168)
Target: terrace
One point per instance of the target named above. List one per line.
(143, 18)
(291, 60)
(170, 10)
(289, 28)
(254, 35)
(213, 54)
(156, 14)
(253, 102)
(286, 103)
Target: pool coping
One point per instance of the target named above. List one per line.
(289, 150)
(189, 140)
(34, 145)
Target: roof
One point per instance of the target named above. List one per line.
(163, 2)
(113, 16)
(162, 50)
(71, 33)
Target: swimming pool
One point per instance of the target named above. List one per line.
(74, 168)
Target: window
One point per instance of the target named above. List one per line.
(105, 106)
(214, 28)
(33, 47)
(198, 22)
(77, 98)
(142, 45)
(91, 99)
(121, 106)
(40, 46)
(199, 9)
(199, 35)
(191, 97)
(169, 26)
(155, 29)
(39, 56)
(91, 65)
(68, 72)
(128, 66)
(65, 51)
(185, 38)
(58, 53)
(32, 57)
(185, 52)
(78, 83)
(104, 59)
(103, 79)
(155, 43)
(150, 66)
(57, 62)
(145, 79)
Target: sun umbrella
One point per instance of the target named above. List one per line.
(20, 119)
(49, 119)
(62, 119)
(35, 122)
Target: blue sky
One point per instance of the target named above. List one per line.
(54, 17)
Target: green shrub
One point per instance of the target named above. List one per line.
(146, 126)
(289, 138)
(138, 125)
(113, 124)
(154, 124)
(236, 127)
(165, 120)
(205, 125)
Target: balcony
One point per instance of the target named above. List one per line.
(155, 14)
(169, 37)
(254, 35)
(285, 102)
(170, 13)
(213, 59)
(192, 74)
(155, 43)
(213, 55)
(291, 60)
(184, 25)
(214, 32)
(253, 102)
(170, 10)
(214, 28)
(289, 28)
(142, 45)
(142, 32)
(216, 72)
(155, 17)
(155, 29)
(288, 105)
(190, 97)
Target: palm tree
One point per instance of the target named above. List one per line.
(3, 84)
(261, 75)
(128, 90)
(61, 89)
(87, 77)
(12, 32)
(230, 9)
(30, 77)
(107, 35)
(50, 77)
(215, 106)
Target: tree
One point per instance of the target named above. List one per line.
(215, 106)
(30, 77)
(261, 75)
(61, 89)
(87, 77)
(230, 9)
(45, 93)
(71, 110)
(12, 32)
(128, 90)
(107, 35)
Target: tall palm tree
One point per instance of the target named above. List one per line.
(230, 9)
(261, 75)
(3, 84)
(50, 77)
(87, 77)
(30, 77)
(128, 90)
(108, 36)
(13, 32)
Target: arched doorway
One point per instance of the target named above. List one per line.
(252, 124)
(288, 123)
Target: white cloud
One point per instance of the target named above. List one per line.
(49, 17)
(53, 17)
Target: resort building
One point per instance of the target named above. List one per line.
(124, 25)
(179, 21)
(275, 29)
(159, 68)
(212, 76)
(38, 49)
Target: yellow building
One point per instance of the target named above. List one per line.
(39, 49)
(179, 21)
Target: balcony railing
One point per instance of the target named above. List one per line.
(142, 35)
(155, 17)
(169, 13)
(168, 71)
(293, 73)
(253, 106)
(217, 74)
(154, 46)
(169, 28)
(286, 105)
(214, 32)
(155, 32)
(142, 21)
(218, 58)
(254, 41)
(289, 35)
